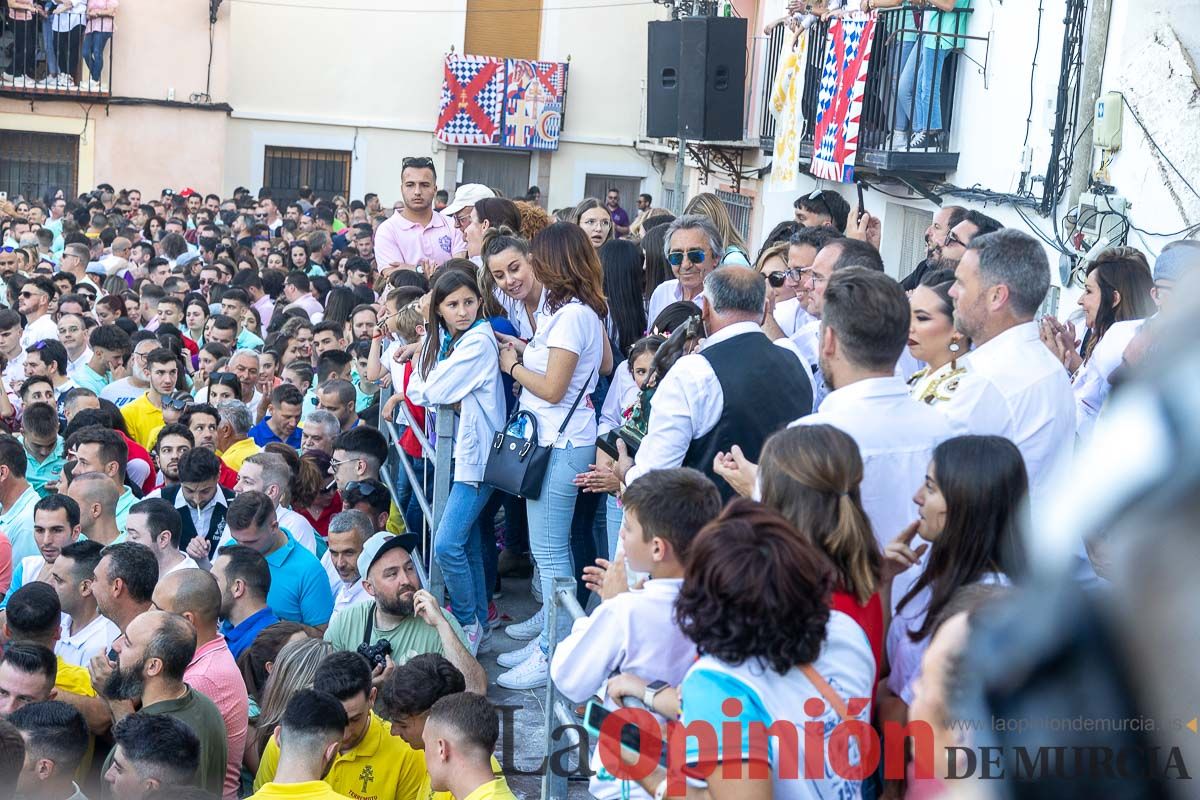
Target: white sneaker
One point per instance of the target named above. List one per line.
(474, 633)
(21, 82)
(529, 629)
(532, 673)
(514, 657)
(7, 77)
(65, 81)
(535, 584)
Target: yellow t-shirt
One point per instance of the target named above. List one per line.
(427, 792)
(73, 679)
(496, 790)
(309, 790)
(141, 420)
(381, 767)
(238, 452)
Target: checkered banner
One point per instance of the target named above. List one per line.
(840, 100)
(472, 100)
(534, 95)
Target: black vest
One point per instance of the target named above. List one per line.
(216, 525)
(764, 388)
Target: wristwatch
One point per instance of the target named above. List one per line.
(651, 691)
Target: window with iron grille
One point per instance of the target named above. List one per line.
(738, 206)
(286, 169)
(34, 164)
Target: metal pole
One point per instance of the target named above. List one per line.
(679, 189)
(554, 784)
(444, 452)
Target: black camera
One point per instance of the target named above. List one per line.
(376, 653)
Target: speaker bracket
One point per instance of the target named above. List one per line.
(723, 158)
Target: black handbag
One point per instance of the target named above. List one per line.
(517, 464)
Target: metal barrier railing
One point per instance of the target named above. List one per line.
(441, 457)
(554, 782)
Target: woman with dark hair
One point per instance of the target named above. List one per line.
(1116, 297)
(172, 246)
(298, 256)
(339, 304)
(486, 214)
(562, 363)
(933, 339)
(109, 308)
(621, 261)
(971, 510)
(594, 218)
(657, 269)
(459, 366)
(508, 275)
(755, 600)
(195, 314)
(314, 496)
(152, 230)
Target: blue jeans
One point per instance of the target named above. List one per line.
(93, 51)
(907, 88)
(406, 500)
(458, 552)
(614, 515)
(48, 46)
(550, 526)
(928, 116)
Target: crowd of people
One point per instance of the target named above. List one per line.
(780, 478)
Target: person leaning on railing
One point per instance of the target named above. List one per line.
(101, 16)
(943, 23)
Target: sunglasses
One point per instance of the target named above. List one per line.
(177, 403)
(365, 489)
(426, 163)
(819, 196)
(8, 249)
(28, 294)
(695, 256)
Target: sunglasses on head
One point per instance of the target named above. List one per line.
(8, 249)
(425, 163)
(695, 256)
(177, 403)
(819, 196)
(365, 489)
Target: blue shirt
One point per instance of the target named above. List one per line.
(39, 473)
(17, 523)
(263, 435)
(242, 635)
(299, 586)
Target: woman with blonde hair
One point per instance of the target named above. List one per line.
(558, 366)
(292, 670)
(709, 205)
(534, 219)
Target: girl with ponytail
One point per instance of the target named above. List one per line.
(811, 475)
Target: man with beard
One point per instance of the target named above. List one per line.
(403, 614)
(370, 762)
(951, 251)
(155, 651)
(935, 236)
(299, 589)
(127, 390)
(310, 734)
(173, 442)
(244, 578)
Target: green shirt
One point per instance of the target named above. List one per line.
(949, 24)
(88, 378)
(201, 715)
(412, 637)
(39, 473)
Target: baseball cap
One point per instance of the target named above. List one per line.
(382, 542)
(187, 192)
(467, 195)
(1176, 259)
(96, 268)
(186, 258)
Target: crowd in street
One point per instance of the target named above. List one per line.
(787, 483)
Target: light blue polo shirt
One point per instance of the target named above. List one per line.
(88, 378)
(124, 503)
(17, 524)
(248, 341)
(299, 586)
(39, 473)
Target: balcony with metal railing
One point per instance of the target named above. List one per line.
(57, 49)
(908, 102)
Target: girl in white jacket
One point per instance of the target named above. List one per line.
(460, 366)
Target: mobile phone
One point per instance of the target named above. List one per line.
(594, 716)
(862, 208)
(3, 196)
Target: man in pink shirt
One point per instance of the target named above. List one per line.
(194, 594)
(417, 237)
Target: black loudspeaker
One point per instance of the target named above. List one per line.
(662, 80)
(712, 89)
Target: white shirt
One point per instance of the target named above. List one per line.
(1014, 387)
(790, 316)
(122, 392)
(344, 594)
(576, 328)
(1091, 385)
(895, 435)
(41, 328)
(14, 373)
(201, 517)
(94, 638)
(294, 523)
(84, 358)
(187, 563)
(622, 393)
(634, 632)
(666, 293)
(518, 315)
(807, 340)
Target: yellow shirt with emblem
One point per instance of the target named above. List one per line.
(142, 418)
(427, 792)
(381, 767)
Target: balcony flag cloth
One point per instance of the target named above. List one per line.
(534, 95)
(786, 95)
(472, 100)
(840, 98)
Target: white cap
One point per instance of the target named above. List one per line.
(467, 195)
